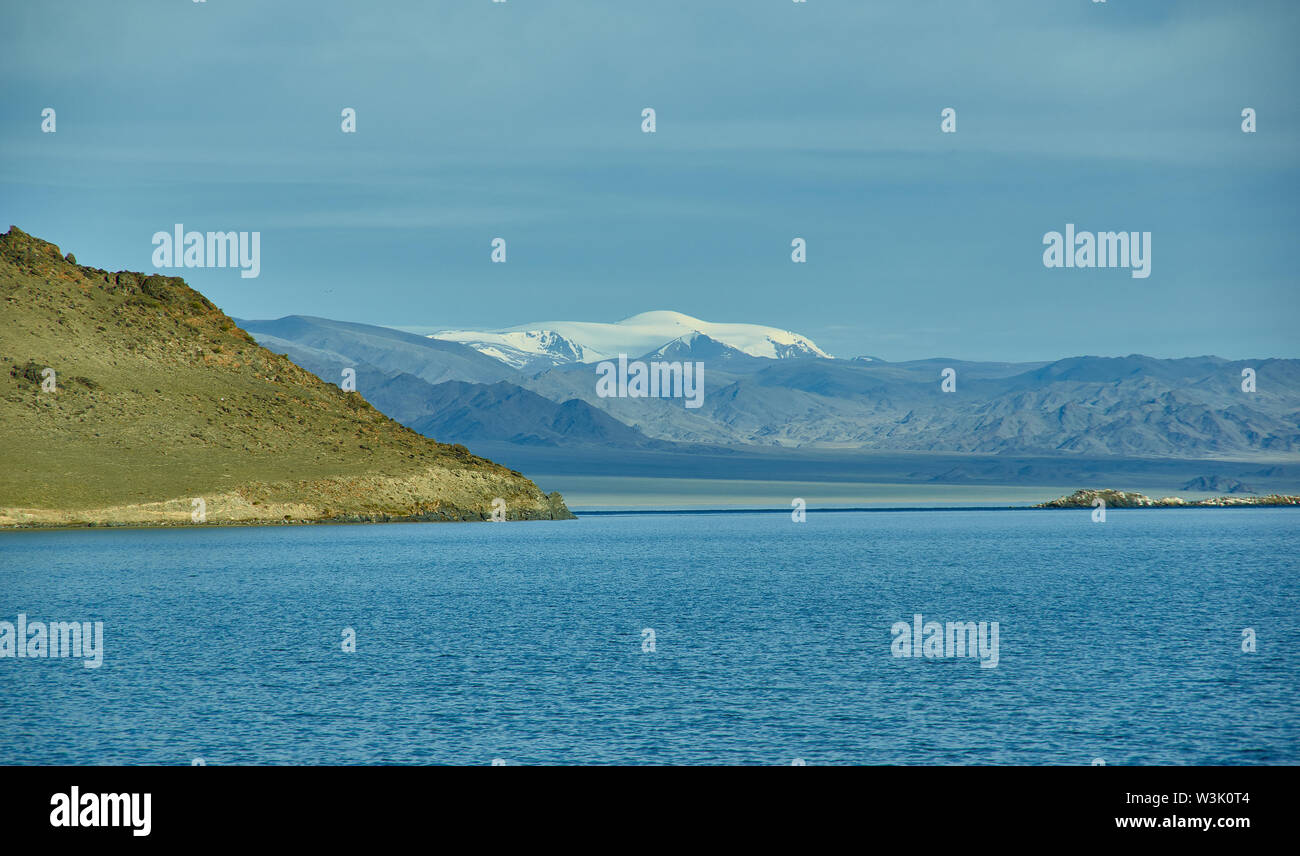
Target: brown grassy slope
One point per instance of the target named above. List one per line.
(161, 398)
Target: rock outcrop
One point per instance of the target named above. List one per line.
(1127, 499)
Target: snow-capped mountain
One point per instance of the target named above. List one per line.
(553, 343)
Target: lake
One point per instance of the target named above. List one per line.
(772, 641)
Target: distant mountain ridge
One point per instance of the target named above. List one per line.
(1135, 406)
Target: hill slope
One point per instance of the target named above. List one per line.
(160, 399)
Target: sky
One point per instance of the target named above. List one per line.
(774, 120)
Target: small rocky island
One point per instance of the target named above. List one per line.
(1128, 499)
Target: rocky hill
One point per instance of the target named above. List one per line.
(131, 399)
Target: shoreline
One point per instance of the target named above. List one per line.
(625, 512)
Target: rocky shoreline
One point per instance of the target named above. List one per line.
(369, 499)
(1129, 499)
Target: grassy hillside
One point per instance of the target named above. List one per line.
(160, 398)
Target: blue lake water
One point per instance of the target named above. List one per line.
(523, 641)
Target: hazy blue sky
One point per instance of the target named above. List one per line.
(775, 120)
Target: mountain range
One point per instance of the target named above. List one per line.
(766, 388)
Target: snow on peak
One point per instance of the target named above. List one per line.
(521, 349)
(560, 342)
